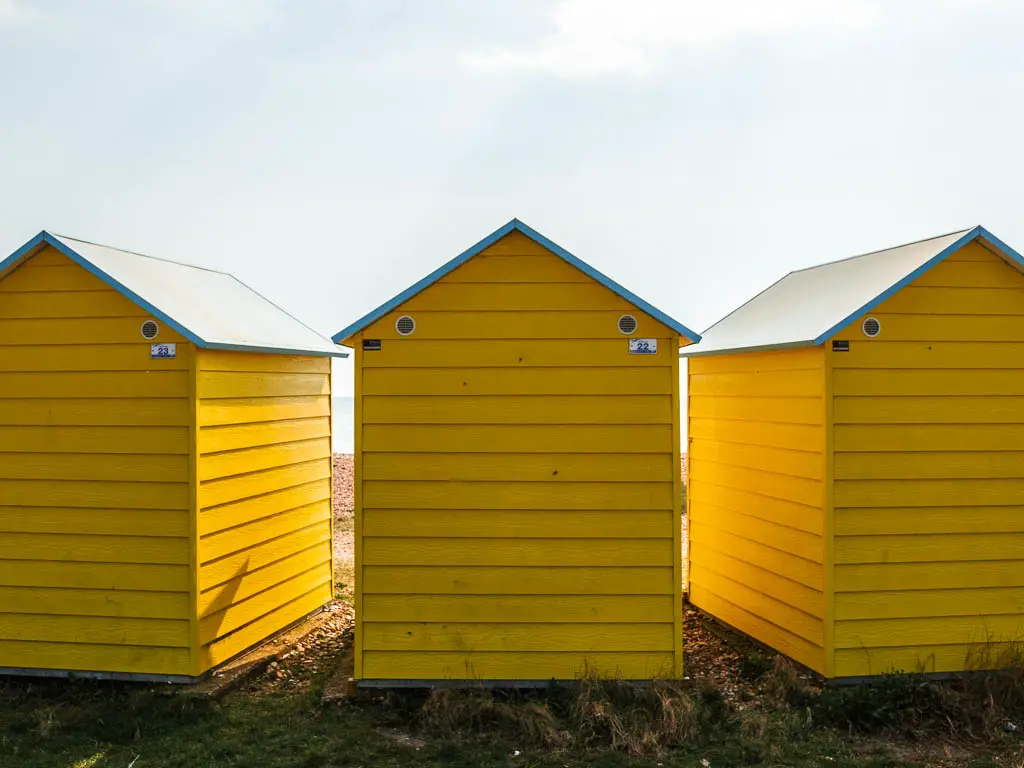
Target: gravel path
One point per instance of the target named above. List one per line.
(344, 502)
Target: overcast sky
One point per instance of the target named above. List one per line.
(331, 152)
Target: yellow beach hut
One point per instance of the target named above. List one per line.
(856, 476)
(517, 474)
(165, 465)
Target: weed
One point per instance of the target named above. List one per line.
(637, 719)
(754, 665)
(47, 722)
(593, 722)
(973, 706)
(449, 712)
(997, 697)
(589, 714)
(783, 684)
(766, 736)
(342, 591)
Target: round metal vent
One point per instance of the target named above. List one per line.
(627, 324)
(150, 329)
(871, 327)
(405, 325)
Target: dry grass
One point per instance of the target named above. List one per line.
(589, 714)
(639, 719)
(449, 713)
(974, 707)
(792, 713)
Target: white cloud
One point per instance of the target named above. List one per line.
(234, 15)
(595, 37)
(12, 13)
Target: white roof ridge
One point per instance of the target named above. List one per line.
(279, 308)
(880, 250)
(210, 308)
(141, 255)
(807, 306)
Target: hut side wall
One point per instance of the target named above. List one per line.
(929, 451)
(756, 495)
(517, 497)
(94, 479)
(264, 473)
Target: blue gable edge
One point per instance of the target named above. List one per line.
(513, 226)
(45, 238)
(974, 234)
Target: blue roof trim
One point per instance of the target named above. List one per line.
(695, 351)
(513, 226)
(273, 350)
(936, 259)
(412, 290)
(1013, 255)
(45, 238)
(608, 283)
(28, 249)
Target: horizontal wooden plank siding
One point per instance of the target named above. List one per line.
(264, 518)
(515, 481)
(616, 439)
(517, 409)
(94, 479)
(506, 609)
(477, 523)
(528, 580)
(506, 665)
(756, 490)
(929, 474)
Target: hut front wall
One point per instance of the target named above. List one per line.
(929, 473)
(756, 496)
(517, 481)
(264, 520)
(94, 479)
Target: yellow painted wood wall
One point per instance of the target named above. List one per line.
(517, 481)
(94, 479)
(929, 472)
(264, 472)
(757, 496)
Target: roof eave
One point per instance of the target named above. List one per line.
(233, 347)
(967, 237)
(91, 268)
(607, 282)
(373, 315)
(45, 238)
(1013, 255)
(28, 249)
(697, 352)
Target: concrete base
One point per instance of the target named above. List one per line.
(74, 674)
(488, 684)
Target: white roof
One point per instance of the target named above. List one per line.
(212, 309)
(806, 307)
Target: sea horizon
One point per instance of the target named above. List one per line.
(343, 428)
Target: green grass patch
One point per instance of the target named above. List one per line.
(596, 723)
(783, 719)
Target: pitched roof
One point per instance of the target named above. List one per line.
(214, 310)
(808, 306)
(513, 226)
